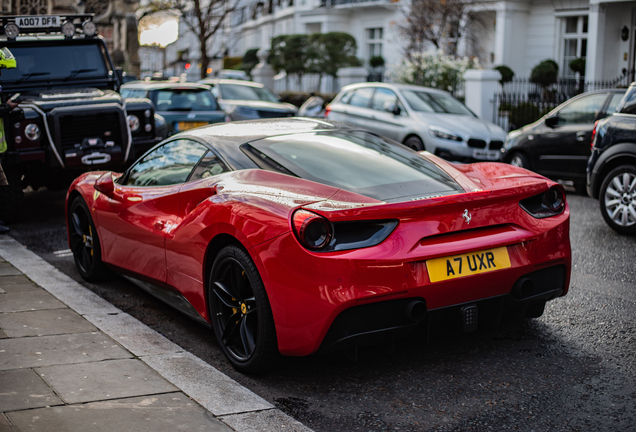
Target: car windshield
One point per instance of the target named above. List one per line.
(356, 161)
(430, 102)
(47, 63)
(184, 99)
(246, 92)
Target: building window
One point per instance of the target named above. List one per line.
(574, 42)
(374, 41)
(33, 7)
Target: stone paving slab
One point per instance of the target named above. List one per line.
(44, 322)
(214, 390)
(18, 284)
(4, 424)
(7, 269)
(170, 412)
(59, 349)
(22, 389)
(111, 379)
(68, 291)
(264, 421)
(135, 336)
(29, 300)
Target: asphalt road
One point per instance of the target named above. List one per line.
(573, 369)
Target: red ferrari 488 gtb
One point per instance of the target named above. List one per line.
(297, 236)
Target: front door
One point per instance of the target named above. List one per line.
(135, 219)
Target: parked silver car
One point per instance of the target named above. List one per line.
(247, 100)
(421, 118)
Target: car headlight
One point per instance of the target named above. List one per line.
(440, 132)
(159, 121)
(512, 137)
(133, 122)
(32, 132)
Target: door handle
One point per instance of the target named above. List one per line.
(159, 226)
(580, 136)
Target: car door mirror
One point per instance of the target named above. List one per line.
(552, 121)
(105, 184)
(392, 108)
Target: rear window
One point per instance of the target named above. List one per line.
(184, 100)
(359, 162)
(246, 93)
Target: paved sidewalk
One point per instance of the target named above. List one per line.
(70, 361)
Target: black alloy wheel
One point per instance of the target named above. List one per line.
(240, 312)
(414, 143)
(617, 199)
(85, 242)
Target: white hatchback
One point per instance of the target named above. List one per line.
(421, 118)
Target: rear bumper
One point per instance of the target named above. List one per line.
(308, 292)
(392, 320)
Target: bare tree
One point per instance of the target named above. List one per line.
(441, 23)
(204, 18)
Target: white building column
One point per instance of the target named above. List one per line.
(510, 31)
(481, 86)
(263, 72)
(595, 34)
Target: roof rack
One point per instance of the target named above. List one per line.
(68, 25)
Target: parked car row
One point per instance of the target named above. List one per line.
(556, 146)
(187, 106)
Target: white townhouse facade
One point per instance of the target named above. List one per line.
(515, 33)
(373, 23)
(521, 33)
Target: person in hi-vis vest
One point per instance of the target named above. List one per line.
(7, 61)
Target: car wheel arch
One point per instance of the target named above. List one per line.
(521, 153)
(214, 247)
(414, 135)
(615, 156)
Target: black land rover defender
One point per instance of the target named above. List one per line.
(611, 168)
(71, 117)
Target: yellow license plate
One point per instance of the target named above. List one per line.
(190, 125)
(457, 266)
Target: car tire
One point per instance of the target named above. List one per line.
(85, 243)
(519, 160)
(414, 143)
(11, 196)
(617, 199)
(240, 312)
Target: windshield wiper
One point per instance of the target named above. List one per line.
(32, 74)
(76, 72)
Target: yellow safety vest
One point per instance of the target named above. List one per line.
(3, 137)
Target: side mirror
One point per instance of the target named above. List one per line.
(392, 108)
(105, 184)
(552, 121)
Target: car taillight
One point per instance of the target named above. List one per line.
(312, 230)
(593, 133)
(546, 204)
(327, 110)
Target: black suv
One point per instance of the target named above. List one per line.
(71, 117)
(611, 169)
